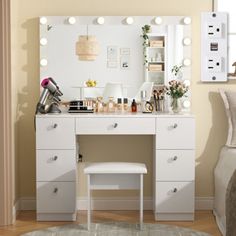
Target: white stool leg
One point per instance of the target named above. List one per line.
(141, 201)
(89, 204)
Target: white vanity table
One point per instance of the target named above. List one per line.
(57, 151)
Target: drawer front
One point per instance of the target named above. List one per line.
(56, 197)
(174, 197)
(115, 125)
(55, 133)
(56, 165)
(175, 165)
(175, 133)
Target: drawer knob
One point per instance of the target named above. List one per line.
(175, 190)
(55, 158)
(55, 126)
(174, 158)
(115, 125)
(55, 190)
(175, 126)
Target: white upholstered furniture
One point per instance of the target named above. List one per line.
(173, 161)
(115, 176)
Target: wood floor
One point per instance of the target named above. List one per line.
(204, 221)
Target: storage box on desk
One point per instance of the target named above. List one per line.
(155, 67)
(156, 43)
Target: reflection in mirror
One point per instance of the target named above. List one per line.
(120, 58)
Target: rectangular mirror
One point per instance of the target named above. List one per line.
(120, 56)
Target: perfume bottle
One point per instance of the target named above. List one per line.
(143, 100)
(125, 105)
(134, 106)
(119, 105)
(111, 105)
(99, 105)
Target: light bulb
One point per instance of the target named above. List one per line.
(186, 104)
(187, 62)
(187, 20)
(187, 41)
(43, 62)
(43, 20)
(100, 20)
(71, 20)
(187, 82)
(129, 20)
(43, 41)
(158, 20)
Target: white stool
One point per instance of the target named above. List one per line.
(116, 176)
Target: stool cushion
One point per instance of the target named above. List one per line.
(115, 168)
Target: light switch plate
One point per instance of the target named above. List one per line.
(214, 47)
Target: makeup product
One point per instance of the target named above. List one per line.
(134, 106)
(119, 105)
(111, 105)
(125, 104)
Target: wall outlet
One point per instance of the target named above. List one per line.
(214, 47)
(214, 64)
(214, 30)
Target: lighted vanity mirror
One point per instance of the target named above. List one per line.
(120, 55)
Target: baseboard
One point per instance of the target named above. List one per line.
(27, 203)
(113, 203)
(204, 203)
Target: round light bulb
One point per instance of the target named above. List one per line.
(187, 82)
(43, 41)
(187, 20)
(43, 20)
(43, 62)
(158, 20)
(71, 20)
(129, 20)
(100, 20)
(187, 41)
(187, 62)
(186, 104)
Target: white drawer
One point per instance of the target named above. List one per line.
(175, 165)
(115, 125)
(56, 197)
(175, 133)
(174, 197)
(56, 165)
(55, 133)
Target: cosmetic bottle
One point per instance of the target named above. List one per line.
(134, 106)
(125, 105)
(111, 105)
(99, 105)
(119, 105)
(143, 100)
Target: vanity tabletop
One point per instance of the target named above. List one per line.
(116, 115)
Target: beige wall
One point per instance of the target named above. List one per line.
(207, 105)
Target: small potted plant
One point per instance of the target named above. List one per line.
(176, 90)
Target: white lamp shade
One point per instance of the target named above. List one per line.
(114, 90)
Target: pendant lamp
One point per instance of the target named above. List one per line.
(87, 47)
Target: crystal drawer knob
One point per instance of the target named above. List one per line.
(55, 190)
(175, 126)
(174, 158)
(55, 158)
(115, 125)
(55, 126)
(175, 190)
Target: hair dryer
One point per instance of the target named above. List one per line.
(50, 94)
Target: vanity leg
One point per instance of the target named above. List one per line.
(141, 201)
(89, 204)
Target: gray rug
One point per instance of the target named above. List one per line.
(116, 229)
